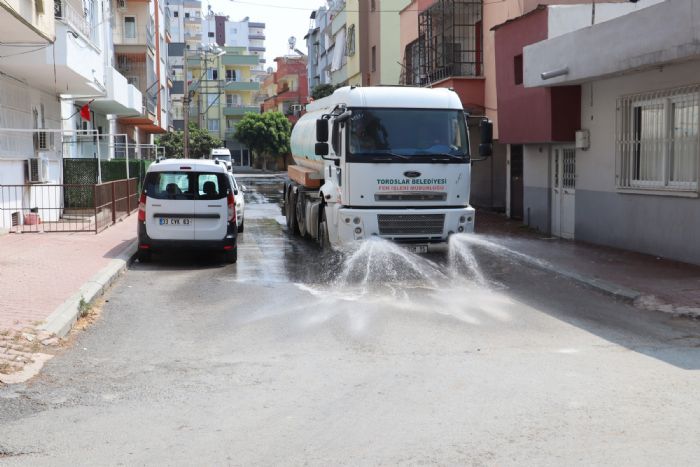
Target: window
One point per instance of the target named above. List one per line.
(211, 34)
(211, 100)
(657, 142)
(350, 47)
(233, 100)
(187, 15)
(176, 14)
(230, 75)
(130, 27)
(181, 185)
(213, 125)
(374, 58)
(422, 134)
(518, 68)
(212, 74)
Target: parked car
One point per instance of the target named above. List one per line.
(187, 203)
(238, 194)
(222, 154)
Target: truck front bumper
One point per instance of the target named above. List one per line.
(416, 226)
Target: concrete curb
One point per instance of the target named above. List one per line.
(62, 319)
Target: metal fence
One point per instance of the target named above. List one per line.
(66, 208)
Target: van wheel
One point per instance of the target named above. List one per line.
(144, 256)
(240, 227)
(231, 256)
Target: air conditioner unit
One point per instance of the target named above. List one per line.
(33, 170)
(121, 5)
(44, 141)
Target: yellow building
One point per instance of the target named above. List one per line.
(224, 90)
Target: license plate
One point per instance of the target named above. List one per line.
(174, 221)
(418, 248)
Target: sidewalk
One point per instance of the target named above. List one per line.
(647, 281)
(40, 271)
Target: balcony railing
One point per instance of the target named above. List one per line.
(133, 38)
(77, 19)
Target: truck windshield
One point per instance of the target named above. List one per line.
(397, 134)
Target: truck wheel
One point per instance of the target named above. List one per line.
(323, 237)
(300, 216)
(290, 212)
(240, 228)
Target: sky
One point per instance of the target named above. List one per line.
(282, 18)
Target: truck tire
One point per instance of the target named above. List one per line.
(323, 237)
(300, 215)
(242, 226)
(290, 214)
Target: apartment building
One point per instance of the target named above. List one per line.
(223, 90)
(287, 88)
(383, 47)
(628, 177)
(141, 36)
(318, 65)
(56, 61)
(185, 22)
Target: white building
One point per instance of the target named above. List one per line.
(634, 180)
(50, 68)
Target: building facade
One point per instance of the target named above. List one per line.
(318, 66)
(632, 176)
(287, 88)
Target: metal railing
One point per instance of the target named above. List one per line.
(77, 19)
(66, 208)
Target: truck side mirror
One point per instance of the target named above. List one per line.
(486, 144)
(321, 149)
(322, 131)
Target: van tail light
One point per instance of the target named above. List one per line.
(142, 208)
(231, 208)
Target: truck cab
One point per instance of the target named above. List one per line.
(391, 162)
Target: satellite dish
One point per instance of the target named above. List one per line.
(292, 41)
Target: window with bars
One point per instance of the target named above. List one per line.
(658, 140)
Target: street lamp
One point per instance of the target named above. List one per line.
(186, 90)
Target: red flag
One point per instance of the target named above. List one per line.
(85, 112)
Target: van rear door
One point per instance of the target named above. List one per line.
(170, 205)
(210, 206)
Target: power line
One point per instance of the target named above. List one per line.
(25, 52)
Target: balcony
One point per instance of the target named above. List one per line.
(231, 59)
(78, 20)
(79, 66)
(256, 25)
(259, 37)
(241, 86)
(122, 98)
(239, 111)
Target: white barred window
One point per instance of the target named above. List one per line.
(658, 140)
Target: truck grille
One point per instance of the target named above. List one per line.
(411, 197)
(411, 224)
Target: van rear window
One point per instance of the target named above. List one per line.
(186, 185)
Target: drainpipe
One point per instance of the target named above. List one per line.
(156, 16)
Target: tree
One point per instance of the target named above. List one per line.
(322, 90)
(266, 134)
(201, 141)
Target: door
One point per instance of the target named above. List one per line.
(563, 191)
(516, 181)
(211, 205)
(169, 206)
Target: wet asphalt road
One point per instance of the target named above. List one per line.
(372, 357)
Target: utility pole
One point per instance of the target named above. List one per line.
(186, 109)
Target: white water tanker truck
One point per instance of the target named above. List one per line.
(392, 162)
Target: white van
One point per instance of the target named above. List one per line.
(187, 203)
(222, 154)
